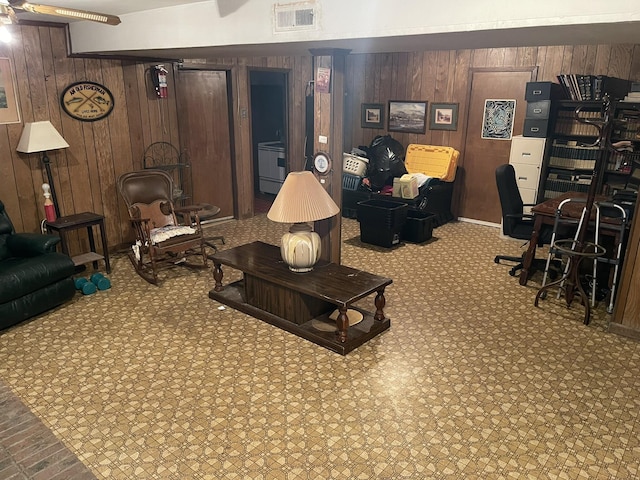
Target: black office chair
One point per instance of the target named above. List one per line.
(516, 223)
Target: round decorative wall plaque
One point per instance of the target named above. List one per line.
(322, 163)
(87, 101)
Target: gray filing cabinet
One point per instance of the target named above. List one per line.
(272, 167)
(526, 157)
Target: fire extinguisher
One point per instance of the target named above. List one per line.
(49, 209)
(160, 81)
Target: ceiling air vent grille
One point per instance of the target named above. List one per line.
(299, 17)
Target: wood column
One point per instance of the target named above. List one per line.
(328, 111)
(626, 315)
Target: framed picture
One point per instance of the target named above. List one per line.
(9, 112)
(497, 119)
(407, 116)
(323, 80)
(443, 116)
(372, 115)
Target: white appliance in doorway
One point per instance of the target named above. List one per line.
(271, 166)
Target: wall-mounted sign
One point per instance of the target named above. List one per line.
(87, 101)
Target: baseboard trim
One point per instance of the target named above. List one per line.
(479, 222)
(624, 330)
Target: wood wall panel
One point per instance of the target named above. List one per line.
(299, 69)
(626, 315)
(85, 173)
(634, 69)
(427, 78)
(99, 151)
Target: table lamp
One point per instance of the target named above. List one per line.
(40, 137)
(301, 199)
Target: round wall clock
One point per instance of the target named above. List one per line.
(322, 163)
(87, 101)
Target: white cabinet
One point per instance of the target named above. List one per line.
(271, 166)
(526, 157)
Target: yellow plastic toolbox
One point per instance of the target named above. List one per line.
(432, 160)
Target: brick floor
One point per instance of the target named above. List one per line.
(29, 450)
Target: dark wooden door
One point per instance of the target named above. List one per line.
(203, 112)
(479, 198)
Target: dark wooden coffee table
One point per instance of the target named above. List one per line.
(301, 303)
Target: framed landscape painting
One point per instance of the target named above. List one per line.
(9, 112)
(407, 116)
(444, 116)
(372, 115)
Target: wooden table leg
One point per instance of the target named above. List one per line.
(342, 323)
(105, 249)
(92, 244)
(380, 303)
(63, 242)
(217, 276)
(531, 251)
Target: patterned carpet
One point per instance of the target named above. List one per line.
(471, 381)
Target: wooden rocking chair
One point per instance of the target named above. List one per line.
(161, 240)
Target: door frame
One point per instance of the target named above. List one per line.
(287, 102)
(232, 144)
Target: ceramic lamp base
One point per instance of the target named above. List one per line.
(300, 248)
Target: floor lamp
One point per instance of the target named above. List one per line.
(40, 137)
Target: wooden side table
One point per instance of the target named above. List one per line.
(83, 220)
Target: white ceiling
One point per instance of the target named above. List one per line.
(605, 33)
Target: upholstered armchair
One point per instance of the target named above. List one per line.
(33, 276)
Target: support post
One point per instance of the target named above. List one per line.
(328, 126)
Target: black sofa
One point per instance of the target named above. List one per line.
(33, 277)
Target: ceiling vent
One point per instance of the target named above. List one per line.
(296, 16)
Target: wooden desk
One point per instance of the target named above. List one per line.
(545, 213)
(86, 220)
(294, 301)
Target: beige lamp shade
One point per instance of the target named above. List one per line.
(302, 199)
(40, 137)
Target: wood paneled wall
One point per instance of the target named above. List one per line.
(300, 72)
(443, 76)
(85, 173)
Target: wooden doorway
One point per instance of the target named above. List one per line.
(206, 136)
(268, 95)
(479, 194)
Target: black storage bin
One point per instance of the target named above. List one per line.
(382, 237)
(535, 128)
(418, 227)
(434, 199)
(350, 199)
(382, 213)
(538, 110)
(381, 221)
(536, 91)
